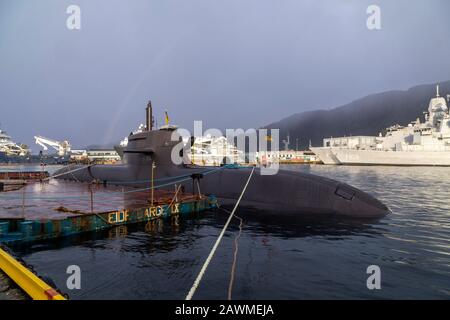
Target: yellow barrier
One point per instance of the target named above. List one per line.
(27, 280)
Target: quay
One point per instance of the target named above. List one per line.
(13, 180)
(30, 283)
(23, 175)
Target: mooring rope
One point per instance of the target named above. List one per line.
(233, 266)
(205, 171)
(236, 249)
(67, 172)
(174, 197)
(113, 193)
(213, 251)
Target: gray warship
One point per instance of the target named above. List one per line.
(285, 193)
(416, 144)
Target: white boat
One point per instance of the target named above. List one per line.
(214, 151)
(417, 144)
(10, 148)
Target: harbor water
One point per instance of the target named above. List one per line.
(281, 257)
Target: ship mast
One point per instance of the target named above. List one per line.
(149, 116)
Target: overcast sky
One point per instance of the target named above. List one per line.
(230, 63)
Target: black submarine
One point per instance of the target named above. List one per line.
(285, 193)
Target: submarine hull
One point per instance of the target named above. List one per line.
(285, 193)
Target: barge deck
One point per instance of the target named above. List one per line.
(57, 208)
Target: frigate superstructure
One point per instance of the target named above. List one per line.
(418, 143)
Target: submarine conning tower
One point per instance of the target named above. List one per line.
(150, 145)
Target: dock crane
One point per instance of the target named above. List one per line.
(63, 147)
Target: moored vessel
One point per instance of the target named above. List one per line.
(416, 144)
(10, 150)
(285, 192)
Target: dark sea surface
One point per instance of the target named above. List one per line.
(279, 258)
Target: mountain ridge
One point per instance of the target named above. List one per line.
(368, 115)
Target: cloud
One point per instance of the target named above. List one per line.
(230, 63)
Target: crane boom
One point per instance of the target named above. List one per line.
(63, 147)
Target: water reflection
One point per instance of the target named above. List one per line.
(297, 226)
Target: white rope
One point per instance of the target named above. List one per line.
(211, 254)
(67, 172)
